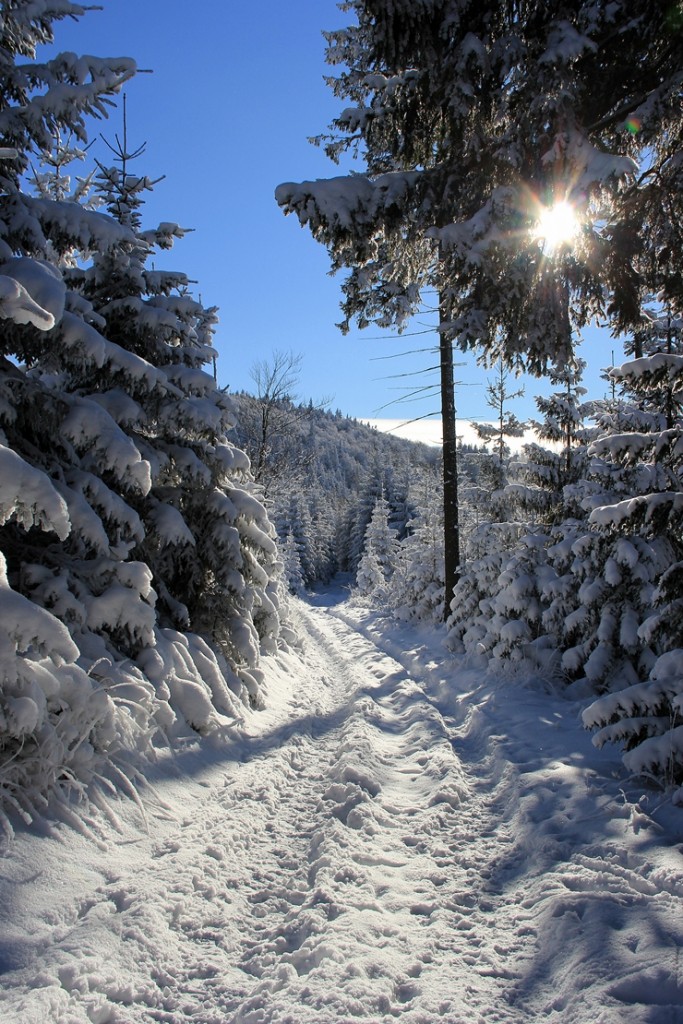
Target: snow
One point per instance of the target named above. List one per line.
(428, 431)
(29, 496)
(345, 200)
(92, 430)
(565, 44)
(32, 292)
(17, 305)
(396, 836)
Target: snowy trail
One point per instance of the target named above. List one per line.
(381, 848)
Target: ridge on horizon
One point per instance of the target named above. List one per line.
(428, 431)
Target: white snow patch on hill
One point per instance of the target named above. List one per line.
(428, 432)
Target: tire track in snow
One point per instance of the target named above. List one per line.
(404, 927)
(559, 855)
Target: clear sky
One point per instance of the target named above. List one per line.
(235, 92)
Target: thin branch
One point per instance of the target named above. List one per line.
(410, 373)
(398, 337)
(410, 352)
(412, 388)
(406, 423)
(413, 397)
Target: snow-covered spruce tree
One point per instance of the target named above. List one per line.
(606, 578)
(509, 593)
(292, 565)
(88, 675)
(378, 558)
(417, 584)
(490, 547)
(378, 483)
(506, 424)
(540, 478)
(484, 474)
(324, 527)
(644, 522)
(207, 538)
(592, 592)
(295, 520)
(357, 518)
(57, 724)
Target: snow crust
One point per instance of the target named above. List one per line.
(398, 836)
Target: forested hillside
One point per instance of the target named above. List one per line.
(322, 474)
(339, 490)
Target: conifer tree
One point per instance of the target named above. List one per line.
(417, 584)
(472, 121)
(295, 521)
(207, 539)
(378, 559)
(540, 482)
(292, 565)
(65, 534)
(638, 516)
(498, 396)
(107, 424)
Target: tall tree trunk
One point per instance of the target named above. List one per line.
(450, 461)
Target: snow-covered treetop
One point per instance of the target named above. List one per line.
(40, 98)
(471, 119)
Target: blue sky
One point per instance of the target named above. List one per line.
(235, 92)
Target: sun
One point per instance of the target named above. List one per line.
(557, 225)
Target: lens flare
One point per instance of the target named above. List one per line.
(557, 226)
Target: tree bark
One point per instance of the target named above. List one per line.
(450, 460)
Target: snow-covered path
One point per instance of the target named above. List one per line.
(388, 844)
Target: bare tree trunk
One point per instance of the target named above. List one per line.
(450, 460)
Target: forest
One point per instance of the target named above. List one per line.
(153, 525)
